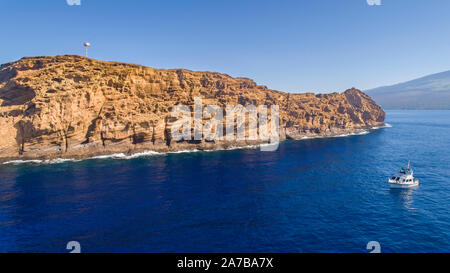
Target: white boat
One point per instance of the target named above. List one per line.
(404, 180)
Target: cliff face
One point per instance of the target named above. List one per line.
(71, 106)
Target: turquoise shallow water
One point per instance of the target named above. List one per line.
(317, 195)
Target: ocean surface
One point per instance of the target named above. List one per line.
(313, 195)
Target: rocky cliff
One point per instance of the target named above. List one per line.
(74, 107)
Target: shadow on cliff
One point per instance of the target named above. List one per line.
(24, 131)
(12, 93)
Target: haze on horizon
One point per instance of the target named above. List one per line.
(293, 46)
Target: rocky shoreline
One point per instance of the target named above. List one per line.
(89, 152)
(74, 107)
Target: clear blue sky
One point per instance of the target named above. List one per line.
(294, 46)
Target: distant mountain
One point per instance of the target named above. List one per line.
(429, 92)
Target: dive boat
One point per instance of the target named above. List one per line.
(404, 179)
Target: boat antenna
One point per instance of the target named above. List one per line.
(409, 161)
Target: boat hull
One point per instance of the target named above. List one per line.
(403, 185)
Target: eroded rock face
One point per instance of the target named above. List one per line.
(74, 107)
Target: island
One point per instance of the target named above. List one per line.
(75, 107)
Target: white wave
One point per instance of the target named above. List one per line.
(314, 137)
(124, 156)
(142, 154)
(63, 160)
(17, 162)
(385, 125)
(59, 160)
(363, 132)
(184, 151)
(359, 133)
(37, 161)
(243, 147)
(116, 156)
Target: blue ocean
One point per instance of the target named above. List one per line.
(313, 195)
